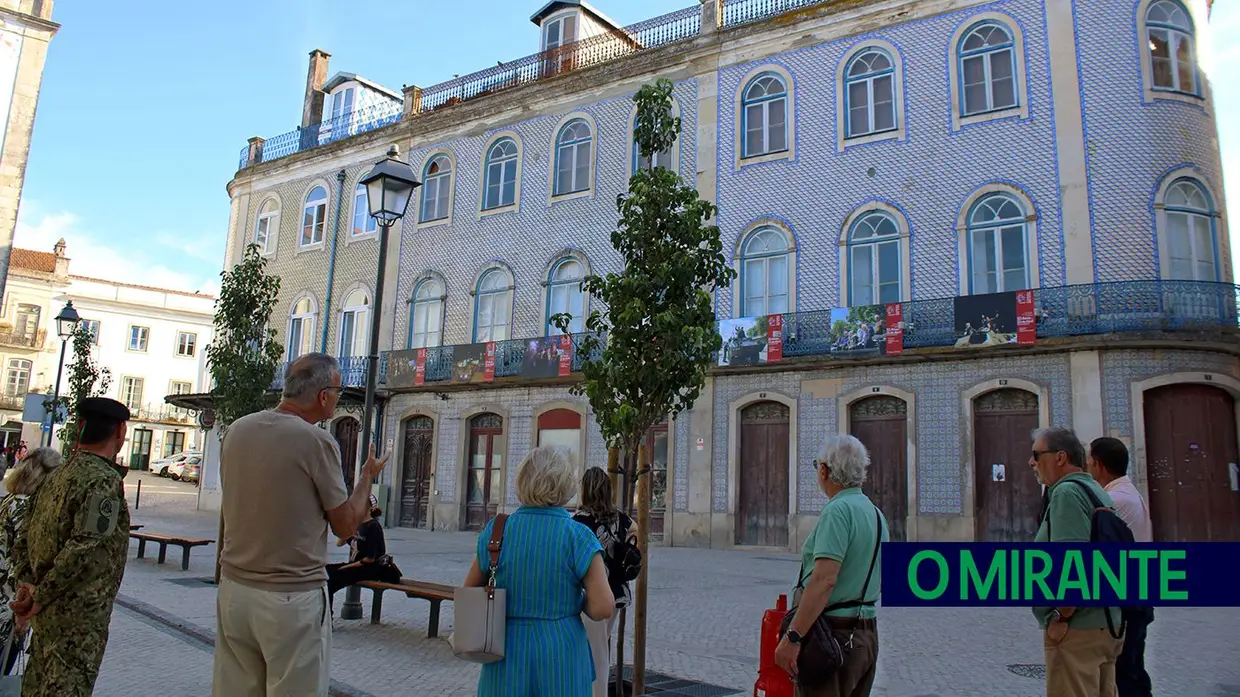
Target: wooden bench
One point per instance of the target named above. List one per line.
(436, 593)
(163, 541)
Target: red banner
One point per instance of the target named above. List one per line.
(566, 355)
(488, 364)
(895, 329)
(1026, 323)
(419, 374)
(774, 338)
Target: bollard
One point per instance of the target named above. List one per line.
(137, 499)
(773, 681)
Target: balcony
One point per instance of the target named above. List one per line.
(352, 372)
(12, 402)
(161, 413)
(24, 339)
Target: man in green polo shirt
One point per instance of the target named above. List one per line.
(1080, 651)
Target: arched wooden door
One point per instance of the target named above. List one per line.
(483, 473)
(1008, 497)
(762, 476)
(345, 430)
(1190, 444)
(415, 475)
(881, 424)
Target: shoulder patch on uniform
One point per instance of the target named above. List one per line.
(102, 513)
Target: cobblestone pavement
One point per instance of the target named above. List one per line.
(705, 610)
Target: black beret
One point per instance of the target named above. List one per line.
(102, 408)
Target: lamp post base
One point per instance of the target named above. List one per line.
(352, 608)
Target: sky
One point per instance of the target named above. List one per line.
(143, 112)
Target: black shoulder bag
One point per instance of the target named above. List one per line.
(821, 654)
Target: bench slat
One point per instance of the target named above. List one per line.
(151, 537)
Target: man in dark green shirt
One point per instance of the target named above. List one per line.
(1080, 651)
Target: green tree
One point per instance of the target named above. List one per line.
(86, 379)
(659, 321)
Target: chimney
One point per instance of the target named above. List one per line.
(62, 261)
(312, 110)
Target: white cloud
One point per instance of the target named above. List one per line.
(123, 262)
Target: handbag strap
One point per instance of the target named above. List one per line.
(493, 547)
(878, 541)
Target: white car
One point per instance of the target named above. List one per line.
(162, 467)
(176, 469)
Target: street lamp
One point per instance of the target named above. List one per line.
(389, 187)
(66, 323)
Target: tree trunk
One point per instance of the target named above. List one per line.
(626, 505)
(613, 461)
(620, 654)
(639, 600)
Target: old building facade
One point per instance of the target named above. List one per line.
(949, 164)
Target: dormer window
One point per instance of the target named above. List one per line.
(342, 104)
(559, 31)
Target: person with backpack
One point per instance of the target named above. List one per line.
(1081, 644)
(614, 531)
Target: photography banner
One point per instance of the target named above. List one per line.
(751, 340)
(473, 362)
(1026, 321)
(548, 357)
(406, 368)
(986, 320)
(774, 338)
(857, 332)
(895, 329)
(420, 367)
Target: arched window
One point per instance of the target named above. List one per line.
(764, 273)
(998, 246)
(501, 175)
(572, 158)
(436, 186)
(301, 328)
(1190, 232)
(874, 260)
(663, 158)
(564, 295)
(363, 222)
(354, 324)
(426, 318)
(870, 93)
(315, 217)
(988, 69)
(268, 223)
(493, 307)
(764, 116)
(1170, 34)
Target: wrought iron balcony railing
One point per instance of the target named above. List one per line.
(161, 413)
(352, 371)
(22, 339)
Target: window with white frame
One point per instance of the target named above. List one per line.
(180, 387)
(138, 337)
(565, 295)
(869, 89)
(500, 188)
(764, 116)
(426, 317)
(301, 328)
(363, 223)
(436, 187)
(268, 220)
(131, 392)
(314, 217)
(1169, 29)
(997, 246)
(353, 324)
(187, 344)
(663, 158)
(342, 105)
(92, 326)
(493, 307)
(987, 69)
(764, 273)
(874, 260)
(1191, 243)
(559, 31)
(572, 158)
(17, 377)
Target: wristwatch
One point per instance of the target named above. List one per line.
(794, 637)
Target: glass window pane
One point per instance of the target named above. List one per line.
(1013, 247)
(1160, 50)
(1184, 62)
(889, 263)
(755, 281)
(884, 104)
(1203, 245)
(858, 108)
(755, 126)
(581, 178)
(974, 85)
(983, 253)
(862, 275)
(509, 193)
(777, 275)
(776, 136)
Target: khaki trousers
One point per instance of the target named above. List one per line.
(856, 677)
(1082, 664)
(271, 644)
(599, 635)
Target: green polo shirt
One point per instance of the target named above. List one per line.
(1071, 520)
(847, 531)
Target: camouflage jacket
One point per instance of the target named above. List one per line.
(77, 535)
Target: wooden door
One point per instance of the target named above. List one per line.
(762, 476)
(656, 455)
(415, 478)
(483, 478)
(140, 450)
(881, 424)
(1190, 443)
(1007, 509)
(345, 430)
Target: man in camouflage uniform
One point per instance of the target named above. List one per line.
(71, 560)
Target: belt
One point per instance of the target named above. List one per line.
(852, 623)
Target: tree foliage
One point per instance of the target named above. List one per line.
(244, 354)
(86, 379)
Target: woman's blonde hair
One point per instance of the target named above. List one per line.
(545, 478)
(29, 473)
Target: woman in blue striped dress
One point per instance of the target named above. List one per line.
(552, 568)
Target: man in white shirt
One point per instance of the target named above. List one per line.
(1108, 464)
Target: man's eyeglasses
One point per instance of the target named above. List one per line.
(1039, 453)
(337, 388)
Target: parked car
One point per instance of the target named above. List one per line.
(160, 467)
(191, 473)
(177, 469)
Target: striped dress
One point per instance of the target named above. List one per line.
(542, 564)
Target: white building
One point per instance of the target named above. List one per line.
(151, 340)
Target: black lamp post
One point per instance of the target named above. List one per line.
(66, 324)
(389, 188)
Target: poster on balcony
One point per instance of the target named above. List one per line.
(857, 332)
(548, 357)
(993, 319)
(473, 362)
(1026, 319)
(419, 374)
(751, 340)
(406, 368)
(895, 329)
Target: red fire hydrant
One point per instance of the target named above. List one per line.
(773, 681)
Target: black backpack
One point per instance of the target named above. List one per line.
(1107, 526)
(625, 560)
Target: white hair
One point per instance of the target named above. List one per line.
(546, 477)
(845, 458)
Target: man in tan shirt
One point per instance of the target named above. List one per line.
(283, 487)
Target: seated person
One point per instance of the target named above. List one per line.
(368, 560)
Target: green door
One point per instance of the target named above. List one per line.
(140, 452)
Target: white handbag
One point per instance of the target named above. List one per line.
(479, 613)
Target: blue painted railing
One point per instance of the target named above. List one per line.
(329, 131)
(352, 371)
